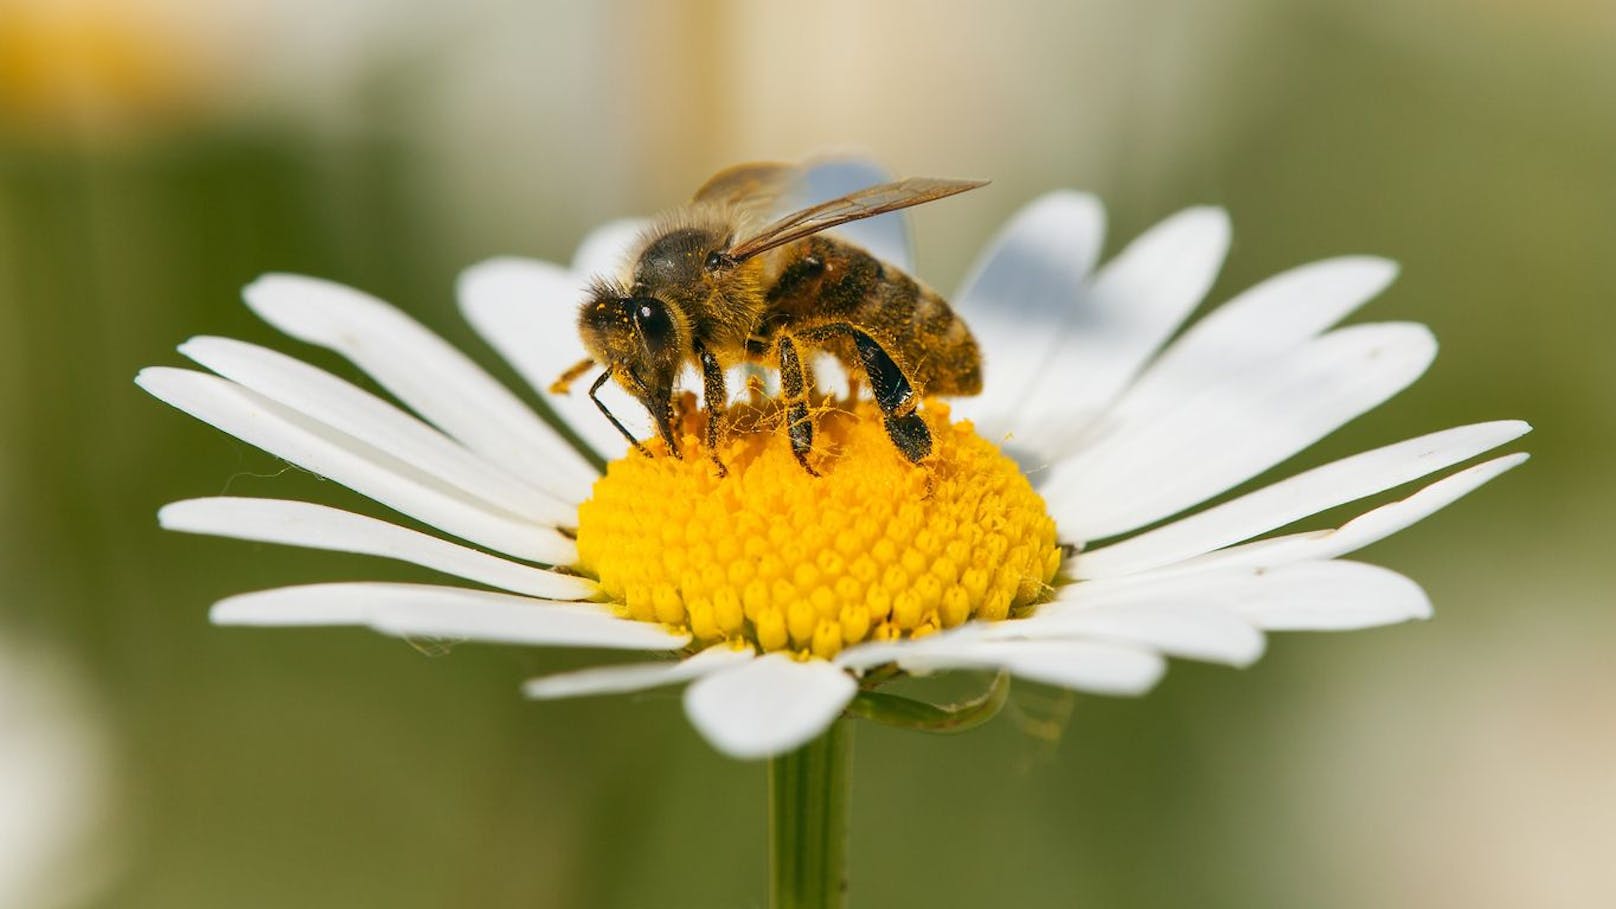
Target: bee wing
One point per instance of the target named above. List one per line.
(885, 236)
(756, 185)
(866, 203)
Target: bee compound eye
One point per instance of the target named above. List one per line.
(651, 316)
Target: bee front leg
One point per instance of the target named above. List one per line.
(793, 387)
(716, 396)
(563, 382)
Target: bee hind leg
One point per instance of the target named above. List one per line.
(793, 387)
(895, 396)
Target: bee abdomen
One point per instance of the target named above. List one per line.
(826, 281)
(942, 353)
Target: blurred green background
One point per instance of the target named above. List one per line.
(156, 155)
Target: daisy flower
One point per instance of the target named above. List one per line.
(1057, 533)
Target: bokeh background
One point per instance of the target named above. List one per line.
(156, 155)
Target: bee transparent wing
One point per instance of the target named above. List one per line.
(884, 236)
(866, 203)
(756, 185)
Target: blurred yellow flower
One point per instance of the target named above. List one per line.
(95, 65)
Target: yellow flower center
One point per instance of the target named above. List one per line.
(874, 548)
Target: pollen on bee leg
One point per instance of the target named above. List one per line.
(876, 548)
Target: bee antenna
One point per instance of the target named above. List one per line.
(594, 395)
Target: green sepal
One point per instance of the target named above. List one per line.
(908, 713)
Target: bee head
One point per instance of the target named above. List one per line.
(642, 342)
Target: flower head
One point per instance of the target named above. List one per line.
(780, 592)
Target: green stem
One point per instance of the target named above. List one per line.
(808, 800)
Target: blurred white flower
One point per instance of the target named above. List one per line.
(53, 783)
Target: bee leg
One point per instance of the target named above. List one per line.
(896, 398)
(619, 426)
(716, 397)
(793, 387)
(563, 382)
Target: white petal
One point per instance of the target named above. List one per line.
(324, 397)
(321, 527)
(527, 311)
(1093, 666)
(1133, 304)
(1192, 632)
(421, 610)
(871, 654)
(1369, 527)
(830, 376)
(428, 374)
(1020, 292)
(604, 251)
(1351, 594)
(636, 676)
(1264, 322)
(884, 236)
(769, 706)
(1144, 471)
(1386, 520)
(1336, 596)
(1101, 667)
(1297, 497)
(314, 446)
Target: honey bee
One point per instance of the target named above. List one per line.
(707, 286)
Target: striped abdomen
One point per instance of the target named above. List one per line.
(821, 283)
